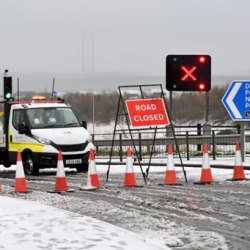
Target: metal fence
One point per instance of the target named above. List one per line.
(221, 142)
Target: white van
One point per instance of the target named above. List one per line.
(39, 130)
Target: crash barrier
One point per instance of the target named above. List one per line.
(93, 180)
(190, 144)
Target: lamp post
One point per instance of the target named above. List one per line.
(93, 112)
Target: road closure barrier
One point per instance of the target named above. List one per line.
(206, 174)
(61, 182)
(93, 180)
(20, 182)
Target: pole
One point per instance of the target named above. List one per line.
(170, 104)
(18, 89)
(53, 85)
(93, 112)
(207, 105)
(242, 141)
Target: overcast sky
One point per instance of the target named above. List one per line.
(122, 36)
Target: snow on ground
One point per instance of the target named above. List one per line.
(30, 225)
(159, 228)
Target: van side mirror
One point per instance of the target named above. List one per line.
(23, 129)
(84, 124)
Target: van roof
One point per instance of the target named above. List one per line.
(39, 105)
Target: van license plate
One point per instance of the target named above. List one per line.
(77, 161)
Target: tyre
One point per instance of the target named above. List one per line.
(83, 167)
(29, 167)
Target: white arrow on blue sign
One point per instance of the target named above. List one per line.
(237, 100)
(54, 93)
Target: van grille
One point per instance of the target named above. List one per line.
(70, 148)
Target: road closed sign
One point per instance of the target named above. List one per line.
(147, 112)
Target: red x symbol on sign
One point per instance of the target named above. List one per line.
(188, 73)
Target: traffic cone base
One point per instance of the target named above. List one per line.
(206, 175)
(20, 186)
(61, 184)
(239, 173)
(94, 180)
(130, 180)
(170, 177)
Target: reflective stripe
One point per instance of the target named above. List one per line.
(170, 162)
(60, 169)
(205, 162)
(19, 170)
(129, 165)
(92, 168)
(237, 160)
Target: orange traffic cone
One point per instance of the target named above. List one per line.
(20, 183)
(0, 188)
(61, 182)
(170, 178)
(93, 181)
(206, 174)
(130, 175)
(238, 166)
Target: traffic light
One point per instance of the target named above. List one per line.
(7, 87)
(188, 72)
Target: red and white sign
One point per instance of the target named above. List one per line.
(147, 112)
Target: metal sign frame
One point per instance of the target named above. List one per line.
(125, 113)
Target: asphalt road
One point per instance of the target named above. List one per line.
(180, 216)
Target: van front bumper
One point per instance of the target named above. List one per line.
(49, 160)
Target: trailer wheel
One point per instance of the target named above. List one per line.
(29, 167)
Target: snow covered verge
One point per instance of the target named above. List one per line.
(30, 225)
(150, 226)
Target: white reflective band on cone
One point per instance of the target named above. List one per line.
(237, 160)
(92, 168)
(170, 162)
(60, 169)
(19, 170)
(89, 180)
(129, 165)
(205, 162)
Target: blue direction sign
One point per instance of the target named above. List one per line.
(237, 100)
(54, 93)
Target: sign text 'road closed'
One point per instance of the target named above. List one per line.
(147, 112)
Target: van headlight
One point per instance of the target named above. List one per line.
(90, 139)
(42, 140)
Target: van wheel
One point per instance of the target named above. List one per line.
(83, 168)
(29, 166)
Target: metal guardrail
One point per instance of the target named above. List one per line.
(190, 143)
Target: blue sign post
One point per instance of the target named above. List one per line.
(237, 100)
(54, 94)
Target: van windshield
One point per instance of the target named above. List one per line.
(52, 118)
